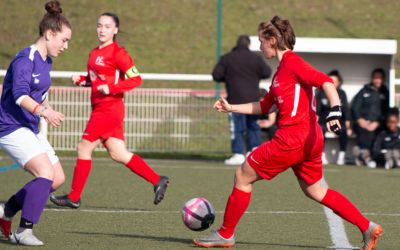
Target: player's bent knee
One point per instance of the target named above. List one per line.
(117, 156)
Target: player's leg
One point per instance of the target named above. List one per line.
(32, 199)
(341, 206)
(236, 206)
(81, 173)
(119, 153)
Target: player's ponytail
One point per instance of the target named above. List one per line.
(281, 30)
(53, 20)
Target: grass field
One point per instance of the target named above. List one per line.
(118, 213)
(179, 36)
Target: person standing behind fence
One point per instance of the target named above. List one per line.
(323, 109)
(23, 102)
(111, 72)
(367, 111)
(242, 70)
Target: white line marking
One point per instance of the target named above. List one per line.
(121, 211)
(336, 227)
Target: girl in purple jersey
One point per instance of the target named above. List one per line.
(23, 102)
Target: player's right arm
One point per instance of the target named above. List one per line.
(81, 80)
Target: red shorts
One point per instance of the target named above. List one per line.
(296, 148)
(106, 120)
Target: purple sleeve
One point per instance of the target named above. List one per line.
(22, 76)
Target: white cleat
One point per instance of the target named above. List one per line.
(324, 159)
(371, 164)
(341, 158)
(236, 159)
(26, 238)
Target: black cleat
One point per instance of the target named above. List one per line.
(64, 201)
(160, 189)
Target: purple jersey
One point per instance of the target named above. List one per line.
(27, 75)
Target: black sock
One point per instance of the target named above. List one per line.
(25, 224)
(11, 207)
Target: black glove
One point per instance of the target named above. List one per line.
(334, 114)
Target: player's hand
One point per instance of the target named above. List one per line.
(362, 123)
(222, 105)
(333, 120)
(372, 126)
(104, 89)
(53, 117)
(77, 80)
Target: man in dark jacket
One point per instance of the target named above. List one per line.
(367, 110)
(242, 70)
(386, 148)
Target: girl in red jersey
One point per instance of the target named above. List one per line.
(111, 72)
(298, 142)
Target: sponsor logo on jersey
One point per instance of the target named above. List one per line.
(92, 75)
(36, 81)
(100, 61)
(35, 75)
(388, 139)
(275, 83)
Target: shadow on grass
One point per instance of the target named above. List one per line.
(189, 243)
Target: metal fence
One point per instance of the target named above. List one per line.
(156, 120)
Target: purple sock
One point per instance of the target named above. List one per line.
(33, 198)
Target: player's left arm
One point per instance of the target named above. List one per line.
(126, 66)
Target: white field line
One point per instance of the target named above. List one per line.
(127, 211)
(336, 227)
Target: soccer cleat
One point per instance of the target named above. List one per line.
(64, 201)
(5, 223)
(236, 159)
(215, 240)
(370, 237)
(160, 188)
(26, 238)
(371, 164)
(341, 158)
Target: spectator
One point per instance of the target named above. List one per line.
(386, 148)
(323, 109)
(367, 110)
(267, 122)
(242, 70)
(378, 75)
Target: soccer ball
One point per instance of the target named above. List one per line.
(198, 214)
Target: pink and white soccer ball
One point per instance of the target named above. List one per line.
(198, 214)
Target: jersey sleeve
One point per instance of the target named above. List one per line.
(22, 69)
(267, 103)
(307, 74)
(126, 65)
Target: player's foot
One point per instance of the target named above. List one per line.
(215, 240)
(160, 188)
(389, 164)
(5, 223)
(370, 237)
(25, 237)
(64, 201)
(236, 159)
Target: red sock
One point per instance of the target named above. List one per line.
(140, 167)
(341, 206)
(81, 174)
(237, 204)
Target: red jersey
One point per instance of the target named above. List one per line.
(292, 91)
(111, 65)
